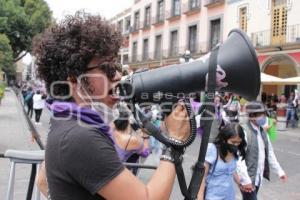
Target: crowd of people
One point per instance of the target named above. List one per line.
(86, 149)
(240, 151)
(288, 104)
(34, 100)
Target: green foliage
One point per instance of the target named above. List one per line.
(6, 56)
(2, 89)
(21, 20)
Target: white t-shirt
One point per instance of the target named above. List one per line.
(38, 102)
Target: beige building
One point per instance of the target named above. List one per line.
(274, 28)
(123, 23)
(162, 30)
(21, 71)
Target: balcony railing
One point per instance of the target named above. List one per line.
(136, 27)
(147, 24)
(172, 14)
(261, 39)
(177, 52)
(127, 31)
(211, 3)
(293, 34)
(265, 38)
(188, 8)
(158, 19)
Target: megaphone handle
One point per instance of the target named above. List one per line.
(157, 133)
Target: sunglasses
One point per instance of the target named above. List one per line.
(109, 68)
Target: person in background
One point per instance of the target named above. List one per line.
(128, 141)
(232, 108)
(38, 105)
(260, 155)
(28, 101)
(221, 163)
(264, 97)
(24, 91)
(270, 125)
(291, 111)
(243, 103)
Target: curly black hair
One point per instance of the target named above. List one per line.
(65, 49)
(227, 132)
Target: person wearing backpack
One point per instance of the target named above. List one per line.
(221, 163)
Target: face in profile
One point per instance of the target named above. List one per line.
(101, 85)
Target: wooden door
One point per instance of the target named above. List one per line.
(279, 22)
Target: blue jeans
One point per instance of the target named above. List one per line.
(291, 117)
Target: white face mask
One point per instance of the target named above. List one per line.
(107, 114)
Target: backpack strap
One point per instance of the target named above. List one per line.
(215, 163)
(128, 141)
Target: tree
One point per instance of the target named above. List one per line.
(6, 56)
(21, 20)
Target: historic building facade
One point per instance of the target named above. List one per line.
(160, 31)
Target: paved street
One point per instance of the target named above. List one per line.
(14, 134)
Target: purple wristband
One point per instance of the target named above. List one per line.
(145, 153)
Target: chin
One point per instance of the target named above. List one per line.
(111, 103)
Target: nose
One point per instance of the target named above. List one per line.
(117, 77)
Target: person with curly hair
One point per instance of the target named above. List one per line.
(77, 60)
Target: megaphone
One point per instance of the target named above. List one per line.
(237, 72)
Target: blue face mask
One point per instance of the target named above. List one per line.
(261, 121)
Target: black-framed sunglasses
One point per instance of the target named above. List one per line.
(109, 68)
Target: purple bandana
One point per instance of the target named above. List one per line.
(87, 115)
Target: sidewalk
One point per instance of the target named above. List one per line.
(14, 134)
(294, 132)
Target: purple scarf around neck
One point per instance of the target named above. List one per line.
(65, 109)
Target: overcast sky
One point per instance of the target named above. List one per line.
(107, 8)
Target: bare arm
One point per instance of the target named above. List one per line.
(160, 185)
(201, 192)
(42, 181)
(157, 188)
(236, 178)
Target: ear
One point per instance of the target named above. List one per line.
(72, 79)
(73, 83)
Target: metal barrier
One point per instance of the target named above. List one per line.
(33, 158)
